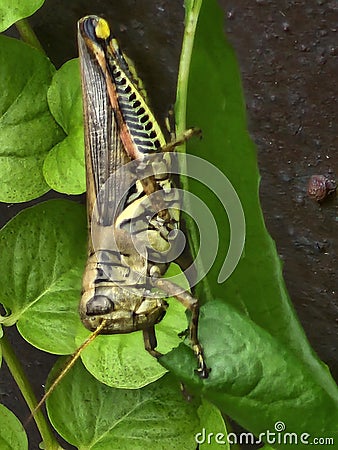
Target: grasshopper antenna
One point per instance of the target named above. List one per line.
(69, 365)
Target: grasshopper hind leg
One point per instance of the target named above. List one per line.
(190, 303)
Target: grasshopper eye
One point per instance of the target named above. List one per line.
(99, 305)
(89, 25)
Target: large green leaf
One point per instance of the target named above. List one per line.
(27, 129)
(64, 168)
(12, 433)
(93, 416)
(42, 253)
(256, 287)
(13, 10)
(255, 378)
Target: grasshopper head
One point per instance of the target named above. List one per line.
(124, 310)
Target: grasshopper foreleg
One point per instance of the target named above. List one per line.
(185, 136)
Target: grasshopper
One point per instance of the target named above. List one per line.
(131, 199)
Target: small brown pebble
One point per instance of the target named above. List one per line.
(320, 187)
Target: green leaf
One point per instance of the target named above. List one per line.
(42, 255)
(64, 168)
(214, 432)
(65, 96)
(255, 378)
(14, 10)
(99, 417)
(256, 287)
(27, 129)
(12, 433)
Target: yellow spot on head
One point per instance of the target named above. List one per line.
(102, 29)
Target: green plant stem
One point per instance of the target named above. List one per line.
(21, 380)
(27, 34)
(192, 9)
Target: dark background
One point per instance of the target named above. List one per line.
(287, 52)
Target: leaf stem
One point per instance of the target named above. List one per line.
(27, 34)
(192, 8)
(21, 380)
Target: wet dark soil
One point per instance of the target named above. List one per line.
(288, 57)
(287, 53)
